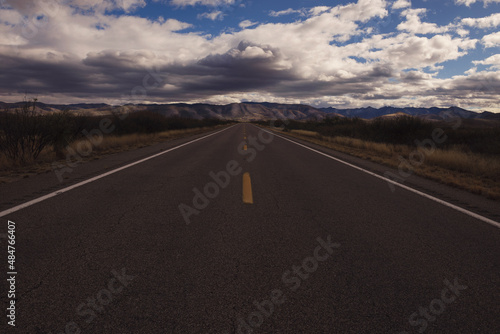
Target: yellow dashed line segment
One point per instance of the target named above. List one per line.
(247, 189)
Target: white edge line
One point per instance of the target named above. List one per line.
(95, 178)
(397, 184)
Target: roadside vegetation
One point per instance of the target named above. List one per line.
(467, 156)
(30, 142)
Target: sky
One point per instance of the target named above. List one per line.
(342, 54)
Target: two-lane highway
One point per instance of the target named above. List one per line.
(174, 245)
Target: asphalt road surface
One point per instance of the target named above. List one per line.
(180, 243)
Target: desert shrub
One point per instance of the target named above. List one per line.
(24, 134)
(473, 139)
(140, 122)
(151, 122)
(400, 130)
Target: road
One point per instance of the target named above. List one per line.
(308, 245)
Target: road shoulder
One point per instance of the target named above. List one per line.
(23, 190)
(466, 200)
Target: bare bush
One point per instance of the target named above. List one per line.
(23, 133)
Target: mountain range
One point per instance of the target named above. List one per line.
(251, 111)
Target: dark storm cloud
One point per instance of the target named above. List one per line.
(381, 71)
(244, 68)
(413, 76)
(248, 67)
(40, 75)
(253, 67)
(70, 76)
(111, 73)
(486, 84)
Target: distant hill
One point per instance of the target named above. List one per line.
(253, 111)
(425, 113)
(240, 111)
(237, 111)
(84, 108)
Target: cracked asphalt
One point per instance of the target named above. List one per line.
(116, 255)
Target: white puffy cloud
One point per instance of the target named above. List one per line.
(491, 40)
(254, 52)
(362, 11)
(399, 4)
(493, 61)
(470, 2)
(414, 24)
(407, 52)
(462, 32)
(318, 10)
(491, 21)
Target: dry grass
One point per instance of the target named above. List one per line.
(472, 172)
(306, 133)
(465, 162)
(111, 144)
(380, 148)
(11, 170)
(6, 163)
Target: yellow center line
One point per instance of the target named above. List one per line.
(247, 189)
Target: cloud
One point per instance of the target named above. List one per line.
(400, 4)
(31, 7)
(414, 52)
(462, 32)
(285, 12)
(493, 61)
(247, 67)
(213, 3)
(215, 15)
(492, 40)
(473, 88)
(362, 11)
(201, 67)
(35, 14)
(247, 23)
(112, 59)
(327, 56)
(470, 2)
(491, 21)
(126, 5)
(414, 24)
(318, 10)
(10, 17)
(415, 76)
